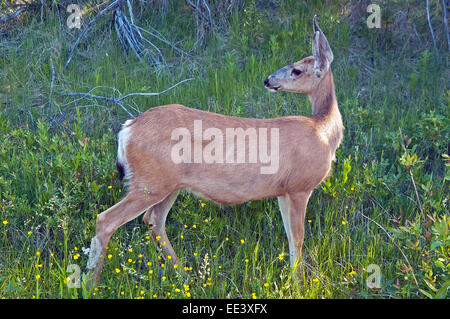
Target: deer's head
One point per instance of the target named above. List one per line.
(303, 76)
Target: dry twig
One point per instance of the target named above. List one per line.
(109, 7)
(444, 9)
(431, 27)
(120, 100)
(13, 15)
(129, 34)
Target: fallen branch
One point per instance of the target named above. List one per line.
(120, 100)
(129, 34)
(160, 37)
(128, 37)
(112, 5)
(444, 9)
(13, 15)
(103, 98)
(431, 27)
(151, 94)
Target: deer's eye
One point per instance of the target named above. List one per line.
(296, 72)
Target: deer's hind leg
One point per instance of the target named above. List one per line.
(135, 203)
(155, 219)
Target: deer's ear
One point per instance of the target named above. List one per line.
(323, 56)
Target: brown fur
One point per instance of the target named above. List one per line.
(307, 147)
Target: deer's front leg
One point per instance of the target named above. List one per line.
(293, 210)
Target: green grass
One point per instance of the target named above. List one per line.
(57, 163)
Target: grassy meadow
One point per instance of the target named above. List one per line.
(386, 203)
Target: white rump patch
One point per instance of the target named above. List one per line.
(123, 138)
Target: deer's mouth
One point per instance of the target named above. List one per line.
(272, 88)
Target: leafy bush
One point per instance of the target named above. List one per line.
(428, 243)
(51, 179)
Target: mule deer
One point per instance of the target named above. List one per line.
(305, 150)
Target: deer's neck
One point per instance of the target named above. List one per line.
(325, 112)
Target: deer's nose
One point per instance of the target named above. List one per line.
(266, 81)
